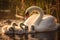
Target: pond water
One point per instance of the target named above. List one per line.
(34, 36)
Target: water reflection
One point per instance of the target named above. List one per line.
(34, 36)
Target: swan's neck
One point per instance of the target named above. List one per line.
(37, 20)
(31, 20)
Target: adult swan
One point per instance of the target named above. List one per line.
(38, 21)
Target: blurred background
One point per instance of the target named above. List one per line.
(10, 8)
(14, 11)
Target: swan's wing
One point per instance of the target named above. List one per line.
(47, 24)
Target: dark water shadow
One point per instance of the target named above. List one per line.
(34, 36)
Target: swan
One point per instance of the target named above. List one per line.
(40, 21)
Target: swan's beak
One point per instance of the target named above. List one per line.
(26, 16)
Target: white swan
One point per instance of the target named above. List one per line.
(40, 21)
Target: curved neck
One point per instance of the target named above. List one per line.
(37, 20)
